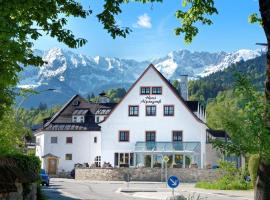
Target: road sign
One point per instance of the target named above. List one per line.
(166, 159)
(173, 181)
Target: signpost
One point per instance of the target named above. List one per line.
(173, 182)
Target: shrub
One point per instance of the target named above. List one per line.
(253, 164)
(231, 180)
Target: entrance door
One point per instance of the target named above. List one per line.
(52, 165)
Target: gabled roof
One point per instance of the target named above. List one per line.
(62, 120)
(173, 89)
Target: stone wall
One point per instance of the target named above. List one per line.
(146, 174)
(18, 195)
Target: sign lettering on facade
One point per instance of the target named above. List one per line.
(151, 100)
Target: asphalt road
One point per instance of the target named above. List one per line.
(69, 189)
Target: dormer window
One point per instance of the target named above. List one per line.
(78, 115)
(78, 119)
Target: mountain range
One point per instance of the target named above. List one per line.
(69, 73)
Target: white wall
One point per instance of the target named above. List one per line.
(83, 148)
(193, 130)
(39, 149)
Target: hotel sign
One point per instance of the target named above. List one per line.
(151, 100)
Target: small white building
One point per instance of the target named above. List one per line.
(150, 122)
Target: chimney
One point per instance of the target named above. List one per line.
(183, 87)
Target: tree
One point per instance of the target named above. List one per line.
(13, 134)
(24, 20)
(21, 22)
(241, 113)
(175, 84)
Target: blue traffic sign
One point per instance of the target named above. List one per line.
(173, 182)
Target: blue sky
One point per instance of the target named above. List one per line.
(153, 34)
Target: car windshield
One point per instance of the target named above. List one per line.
(42, 171)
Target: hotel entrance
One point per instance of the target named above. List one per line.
(180, 154)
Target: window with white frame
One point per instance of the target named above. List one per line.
(98, 161)
(133, 110)
(145, 90)
(177, 136)
(156, 90)
(123, 159)
(150, 110)
(168, 110)
(78, 119)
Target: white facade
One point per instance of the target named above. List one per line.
(106, 144)
(83, 147)
(183, 120)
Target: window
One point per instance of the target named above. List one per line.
(53, 140)
(69, 140)
(123, 159)
(123, 136)
(95, 139)
(82, 119)
(98, 161)
(156, 90)
(169, 110)
(77, 119)
(133, 110)
(151, 110)
(150, 136)
(145, 90)
(177, 136)
(68, 156)
(97, 119)
(74, 119)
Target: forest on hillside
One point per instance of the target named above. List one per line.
(207, 88)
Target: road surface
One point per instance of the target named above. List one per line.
(69, 189)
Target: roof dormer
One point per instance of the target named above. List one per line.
(78, 115)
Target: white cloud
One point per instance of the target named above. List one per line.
(144, 21)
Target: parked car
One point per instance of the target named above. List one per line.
(45, 179)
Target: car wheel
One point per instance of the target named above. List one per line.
(47, 184)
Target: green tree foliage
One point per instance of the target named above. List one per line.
(207, 88)
(241, 113)
(21, 23)
(175, 84)
(12, 134)
(231, 179)
(30, 117)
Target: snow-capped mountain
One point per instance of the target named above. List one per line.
(71, 73)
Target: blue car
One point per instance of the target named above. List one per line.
(45, 179)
